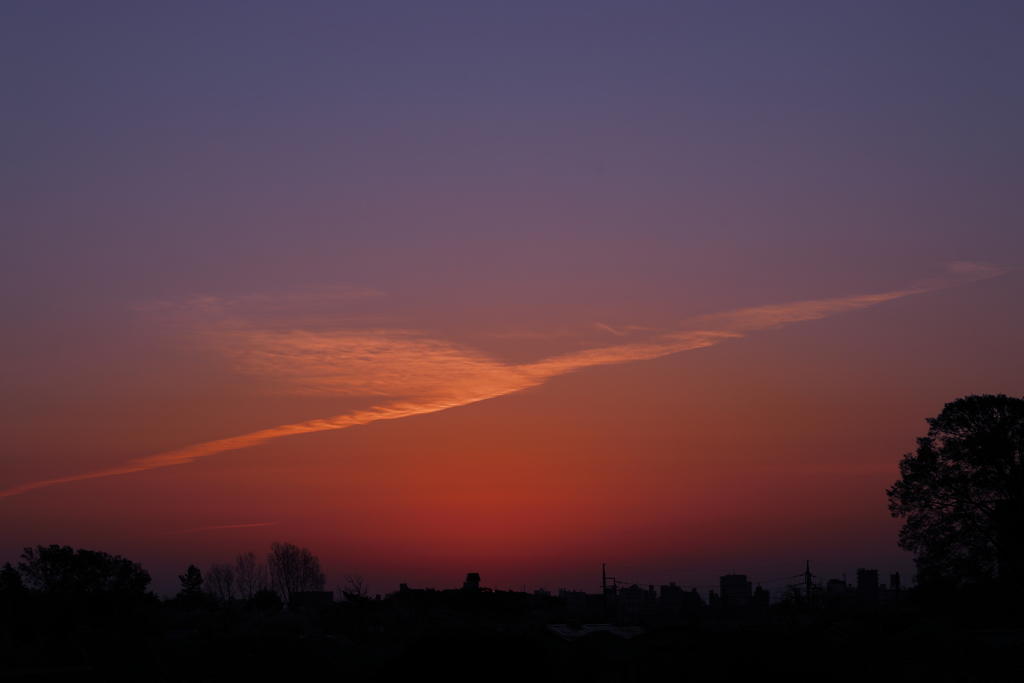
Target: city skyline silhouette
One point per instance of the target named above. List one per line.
(520, 290)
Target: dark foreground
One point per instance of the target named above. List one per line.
(481, 635)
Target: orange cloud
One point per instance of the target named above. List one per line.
(419, 375)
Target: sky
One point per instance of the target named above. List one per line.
(513, 288)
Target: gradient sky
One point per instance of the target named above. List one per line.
(515, 288)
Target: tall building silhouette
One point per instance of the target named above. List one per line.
(736, 591)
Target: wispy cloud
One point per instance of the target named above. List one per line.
(224, 526)
(414, 374)
(621, 332)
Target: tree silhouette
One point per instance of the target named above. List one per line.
(961, 492)
(250, 576)
(294, 569)
(10, 580)
(12, 594)
(62, 570)
(221, 578)
(191, 582)
(356, 589)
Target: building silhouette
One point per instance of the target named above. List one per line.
(867, 586)
(674, 598)
(736, 590)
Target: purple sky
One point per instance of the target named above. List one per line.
(212, 214)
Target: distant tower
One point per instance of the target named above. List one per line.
(472, 581)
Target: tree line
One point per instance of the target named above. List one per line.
(63, 571)
(288, 569)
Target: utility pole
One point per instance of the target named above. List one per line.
(607, 590)
(807, 582)
(604, 588)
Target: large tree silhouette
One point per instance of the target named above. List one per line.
(294, 569)
(961, 492)
(58, 569)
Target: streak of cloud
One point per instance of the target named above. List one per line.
(419, 375)
(619, 333)
(224, 526)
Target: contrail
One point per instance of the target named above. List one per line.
(421, 375)
(225, 526)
